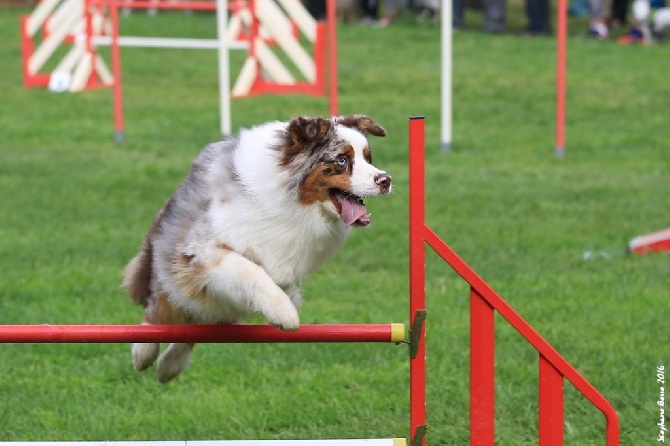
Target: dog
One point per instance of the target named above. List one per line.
(255, 214)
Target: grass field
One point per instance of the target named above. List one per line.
(74, 207)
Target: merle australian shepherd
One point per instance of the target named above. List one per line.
(255, 214)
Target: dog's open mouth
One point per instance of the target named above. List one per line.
(351, 208)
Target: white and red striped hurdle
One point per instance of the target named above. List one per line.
(553, 369)
(658, 241)
(60, 21)
(263, 28)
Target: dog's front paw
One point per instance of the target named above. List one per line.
(285, 317)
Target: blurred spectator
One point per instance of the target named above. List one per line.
(391, 9)
(426, 9)
(493, 10)
(537, 12)
(494, 16)
(578, 8)
(619, 13)
(648, 22)
(317, 8)
(597, 25)
(369, 11)
(458, 11)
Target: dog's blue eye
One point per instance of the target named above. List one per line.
(342, 161)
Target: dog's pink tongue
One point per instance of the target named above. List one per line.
(353, 211)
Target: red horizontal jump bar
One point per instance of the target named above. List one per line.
(200, 333)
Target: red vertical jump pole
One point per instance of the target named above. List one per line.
(482, 371)
(88, 23)
(331, 20)
(254, 33)
(551, 404)
(561, 60)
(27, 48)
(119, 132)
(417, 261)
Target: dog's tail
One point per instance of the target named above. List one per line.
(137, 275)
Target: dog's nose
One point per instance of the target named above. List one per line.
(383, 180)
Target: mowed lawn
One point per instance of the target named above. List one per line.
(548, 234)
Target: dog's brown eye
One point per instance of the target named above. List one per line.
(342, 160)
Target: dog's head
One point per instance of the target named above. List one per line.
(331, 160)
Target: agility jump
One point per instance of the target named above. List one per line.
(553, 369)
(255, 26)
(60, 21)
(658, 241)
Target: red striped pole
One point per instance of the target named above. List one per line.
(200, 333)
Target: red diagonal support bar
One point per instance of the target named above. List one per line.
(200, 333)
(482, 371)
(551, 406)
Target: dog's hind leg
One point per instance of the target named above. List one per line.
(144, 354)
(173, 361)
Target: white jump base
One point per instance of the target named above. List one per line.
(352, 442)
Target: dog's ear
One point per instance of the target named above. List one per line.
(305, 135)
(304, 130)
(362, 123)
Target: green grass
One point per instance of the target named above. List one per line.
(74, 207)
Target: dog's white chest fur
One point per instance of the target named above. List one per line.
(265, 220)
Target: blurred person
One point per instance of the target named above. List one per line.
(650, 18)
(618, 13)
(458, 13)
(597, 23)
(537, 12)
(391, 9)
(316, 8)
(369, 11)
(578, 8)
(427, 9)
(494, 15)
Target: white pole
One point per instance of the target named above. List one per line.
(446, 75)
(224, 69)
(168, 42)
